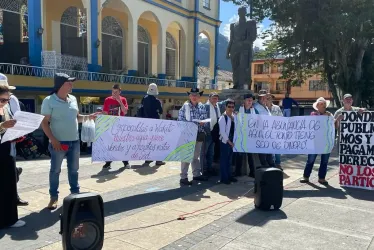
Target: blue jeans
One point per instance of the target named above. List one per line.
(72, 156)
(287, 112)
(207, 154)
(225, 161)
(277, 159)
(322, 168)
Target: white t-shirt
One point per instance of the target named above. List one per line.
(14, 104)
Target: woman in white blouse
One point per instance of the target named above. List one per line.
(226, 130)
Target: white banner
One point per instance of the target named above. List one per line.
(128, 139)
(284, 135)
(26, 124)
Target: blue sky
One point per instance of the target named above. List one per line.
(229, 13)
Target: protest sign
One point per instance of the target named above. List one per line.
(356, 150)
(26, 124)
(284, 135)
(127, 138)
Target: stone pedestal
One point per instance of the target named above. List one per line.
(235, 94)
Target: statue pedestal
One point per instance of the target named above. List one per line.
(236, 94)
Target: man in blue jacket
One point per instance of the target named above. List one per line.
(152, 108)
(287, 105)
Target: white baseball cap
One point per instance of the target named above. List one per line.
(4, 81)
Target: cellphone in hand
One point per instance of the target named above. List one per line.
(65, 147)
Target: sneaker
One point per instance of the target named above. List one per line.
(106, 166)
(21, 202)
(19, 223)
(160, 163)
(52, 205)
(185, 182)
(304, 180)
(323, 182)
(127, 165)
(200, 178)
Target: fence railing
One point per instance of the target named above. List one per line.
(24, 70)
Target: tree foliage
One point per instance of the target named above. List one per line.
(331, 37)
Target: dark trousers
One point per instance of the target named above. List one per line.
(225, 161)
(322, 171)
(239, 163)
(266, 160)
(124, 162)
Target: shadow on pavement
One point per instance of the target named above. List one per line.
(256, 217)
(318, 191)
(35, 222)
(106, 175)
(145, 169)
(360, 194)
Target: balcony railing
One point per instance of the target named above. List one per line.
(24, 70)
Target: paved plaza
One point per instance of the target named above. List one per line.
(142, 206)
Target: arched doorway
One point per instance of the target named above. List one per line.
(112, 45)
(144, 52)
(171, 55)
(74, 32)
(205, 70)
(13, 31)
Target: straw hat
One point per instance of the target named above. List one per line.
(319, 100)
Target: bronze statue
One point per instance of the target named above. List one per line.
(242, 35)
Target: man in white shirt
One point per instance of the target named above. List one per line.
(260, 106)
(226, 131)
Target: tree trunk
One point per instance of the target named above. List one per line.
(330, 81)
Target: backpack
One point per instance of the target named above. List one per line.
(215, 132)
(140, 113)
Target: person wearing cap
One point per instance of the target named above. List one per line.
(60, 124)
(14, 106)
(212, 107)
(347, 106)
(320, 109)
(115, 105)
(246, 108)
(152, 109)
(275, 110)
(260, 106)
(8, 182)
(194, 110)
(287, 105)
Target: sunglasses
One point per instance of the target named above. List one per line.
(2, 100)
(230, 107)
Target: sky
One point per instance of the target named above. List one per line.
(229, 14)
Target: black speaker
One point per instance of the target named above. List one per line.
(82, 222)
(268, 188)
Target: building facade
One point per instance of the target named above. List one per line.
(265, 76)
(132, 42)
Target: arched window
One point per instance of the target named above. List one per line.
(144, 51)
(13, 31)
(112, 46)
(171, 55)
(74, 32)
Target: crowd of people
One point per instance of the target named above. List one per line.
(60, 125)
